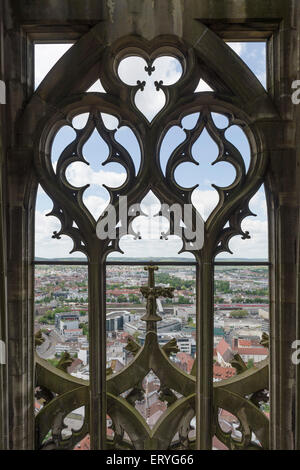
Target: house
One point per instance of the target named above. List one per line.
(224, 353)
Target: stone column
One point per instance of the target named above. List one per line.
(19, 228)
(297, 138)
(3, 310)
(283, 195)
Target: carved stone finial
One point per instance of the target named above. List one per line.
(149, 68)
(167, 395)
(238, 363)
(132, 346)
(259, 396)
(158, 85)
(141, 85)
(265, 340)
(38, 338)
(151, 293)
(65, 361)
(171, 347)
(136, 394)
(246, 236)
(56, 235)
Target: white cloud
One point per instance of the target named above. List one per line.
(238, 47)
(205, 201)
(45, 245)
(262, 77)
(79, 174)
(258, 205)
(110, 122)
(150, 101)
(95, 205)
(256, 246)
(80, 120)
(167, 69)
(151, 248)
(150, 228)
(46, 56)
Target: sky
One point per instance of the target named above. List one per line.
(204, 152)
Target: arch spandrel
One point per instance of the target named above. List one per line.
(231, 77)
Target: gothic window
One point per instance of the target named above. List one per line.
(153, 129)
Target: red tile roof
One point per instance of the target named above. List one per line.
(223, 373)
(253, 351)
(76, 363)
(186, 359)
(244, 342)
(222, 347)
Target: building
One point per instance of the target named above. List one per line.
(223, 373)
(224, 353)
(83, 355)
(115, 320)
(66, 321)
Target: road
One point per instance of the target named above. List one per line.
(47, 349)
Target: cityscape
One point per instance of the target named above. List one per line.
(241, 317)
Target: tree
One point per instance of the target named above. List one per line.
(134, 299)
(250, 363)
(239, 313)
(183, 300)
(136, 335)
(85, 329)
(222, 286)
(122, 299)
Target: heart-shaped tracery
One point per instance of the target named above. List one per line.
(149, 79)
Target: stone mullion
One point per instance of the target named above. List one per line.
(20, 306)
(283, 223)
(297, 405)
(204, 341)
(97, 348)
(19, 230)
(283, 329)
(297, 118)
(3, 333)
(283, 196)
(3, 306)
(20, 336)
(3, 322)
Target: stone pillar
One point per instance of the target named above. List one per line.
(3, 309)
(283, 195)
(19, 239)
(297, 138)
